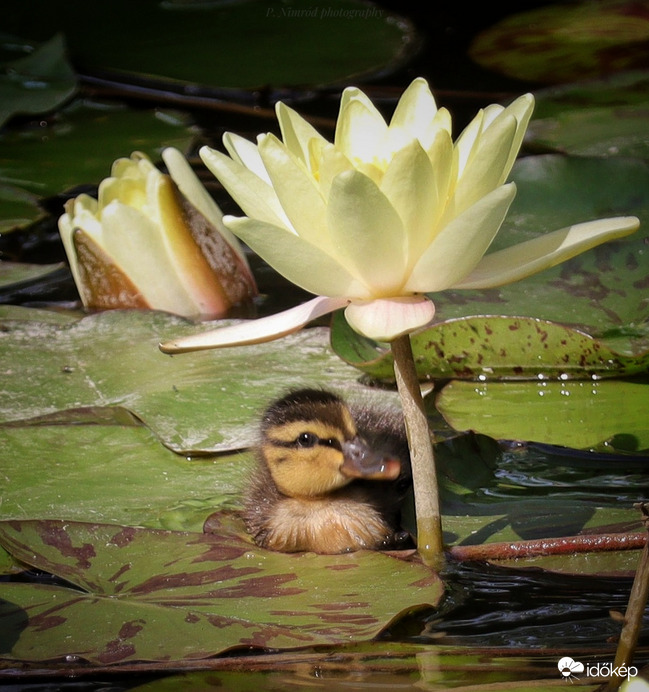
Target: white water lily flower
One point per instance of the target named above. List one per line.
(155, 241)
(385, 214)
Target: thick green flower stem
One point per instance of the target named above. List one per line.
(429, 522)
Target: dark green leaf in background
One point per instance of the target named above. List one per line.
(38, 82)
(243, 45)
(79, 145)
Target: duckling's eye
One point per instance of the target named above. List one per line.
(307, 440)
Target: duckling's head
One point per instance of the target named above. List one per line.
(311, 447)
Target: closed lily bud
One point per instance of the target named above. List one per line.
(157, 241)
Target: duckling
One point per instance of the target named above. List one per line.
(329, 479)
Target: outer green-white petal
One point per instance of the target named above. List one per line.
(458, 248)
(367, 233)
(257, 331)
(387, 318)
(256, 198)
(298, 260)
(516, 262)
(296, 191)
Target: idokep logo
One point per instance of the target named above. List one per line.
(569, 668)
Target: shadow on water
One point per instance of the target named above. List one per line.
(491, 606)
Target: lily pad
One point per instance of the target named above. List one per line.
(618, 131)
(623, 89)
(38, 82)
(202, 402)
(144, 595)
(14, 274)
(79, 144)
(244, 45)
(567, 42)
(594, 414)
(18, 208)
(101, 465)
(478, 348)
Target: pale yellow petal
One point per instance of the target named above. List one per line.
(387, 318)
(297, 133)
(246, 153)
(521, 109)
(298, 260)
(256, 197)
(466, 142)
(516, 262)
(484, 168)
(361, 130)
(460, 245)
(257, 331)
(410, 186)
(367, 232)
(416, 108)
(297, 191)
(161, 260)
(330, 163)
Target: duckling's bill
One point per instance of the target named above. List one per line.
(361, 461)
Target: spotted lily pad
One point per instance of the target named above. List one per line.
(145, 595)
(567, 42)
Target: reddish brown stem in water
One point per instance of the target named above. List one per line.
(550, 546)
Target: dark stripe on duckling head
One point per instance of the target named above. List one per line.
(310, 406)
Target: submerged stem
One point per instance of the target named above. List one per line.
(424, 476)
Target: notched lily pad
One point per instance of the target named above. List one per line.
(201, 402)
(142, 595)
